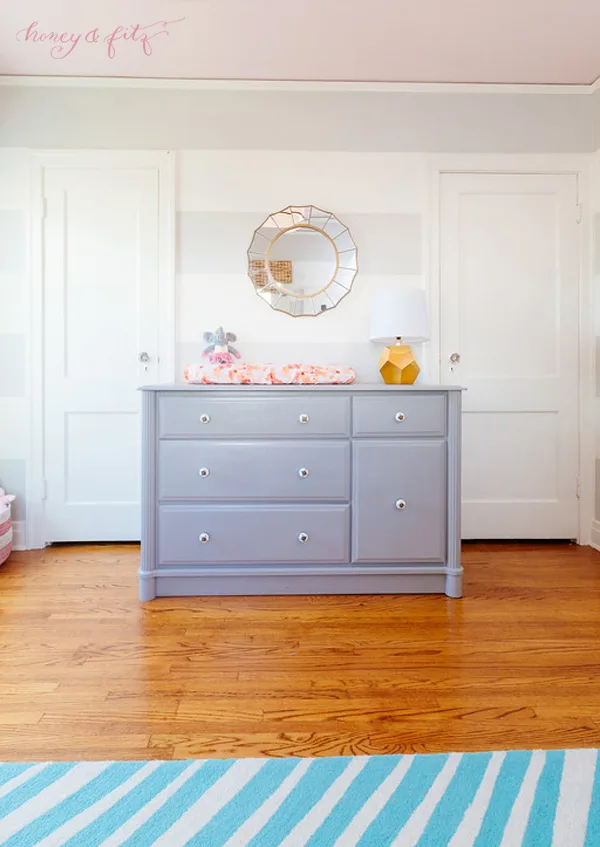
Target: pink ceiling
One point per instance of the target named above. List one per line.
(494, 41)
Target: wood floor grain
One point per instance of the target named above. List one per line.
(87, 672)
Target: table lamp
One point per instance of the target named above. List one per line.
(398, 316)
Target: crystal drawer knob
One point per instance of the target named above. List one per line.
(303, 472)
(401, 504)
(303, 418)
(399, 416)
(203, 472)
(303, 538)
(205, 418)
(204, 537)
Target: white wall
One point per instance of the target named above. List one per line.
(595, 105)
(223, 196)
(595, 275)
(14, 323)
(400, 121)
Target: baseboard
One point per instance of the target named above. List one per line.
(18, 528)
(286, 579)
(595, 539)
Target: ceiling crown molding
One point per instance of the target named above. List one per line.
(291, 85)
(595, 86)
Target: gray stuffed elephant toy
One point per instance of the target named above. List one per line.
(219, 348)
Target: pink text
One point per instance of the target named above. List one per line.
(62, 44)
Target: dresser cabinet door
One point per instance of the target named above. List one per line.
(399, 512)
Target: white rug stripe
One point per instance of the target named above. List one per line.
(572, 811)
(212, 801)
(470, 825)
(85, 818)
(367, 814)
(127, 829)
(51, 796)
(21, 778)
(264, 813)
(414, 827)
(519, 815)
(315, 817)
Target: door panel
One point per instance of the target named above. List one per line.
(509, 307)
(101, 233)
(386, 472)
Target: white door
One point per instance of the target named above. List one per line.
(101, 280)
(509, 309)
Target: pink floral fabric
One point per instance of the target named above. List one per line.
(248, 374)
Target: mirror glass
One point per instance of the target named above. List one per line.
(302, 261)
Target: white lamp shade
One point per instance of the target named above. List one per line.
(400, 313)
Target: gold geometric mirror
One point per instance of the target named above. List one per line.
(302, 261)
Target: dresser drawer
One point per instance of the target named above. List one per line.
(253, 534)
(399, 512)
(400, 414)
(263, 470)
(208, 416)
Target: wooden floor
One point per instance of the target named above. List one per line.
(88, 672)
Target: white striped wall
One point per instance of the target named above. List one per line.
(14, 322)
(223, 195)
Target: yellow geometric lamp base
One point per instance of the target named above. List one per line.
(398, 366)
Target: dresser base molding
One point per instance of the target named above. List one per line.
(173, 582)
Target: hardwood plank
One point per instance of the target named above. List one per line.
(86, 671)
(546, 735)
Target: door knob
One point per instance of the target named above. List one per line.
(455, 359)
(143, 358)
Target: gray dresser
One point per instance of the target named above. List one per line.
(300, 490)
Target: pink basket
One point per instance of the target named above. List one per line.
(6, 534)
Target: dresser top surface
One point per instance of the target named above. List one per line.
(353, 388)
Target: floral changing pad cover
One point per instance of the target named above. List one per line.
(248, 374)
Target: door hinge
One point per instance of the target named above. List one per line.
(578, 213)
(44, 489)
(44, 209)
(578, 487)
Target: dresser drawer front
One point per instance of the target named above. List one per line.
(245, 417)
(400, 414)
(399, 509)
(259, 470)
(253, 535)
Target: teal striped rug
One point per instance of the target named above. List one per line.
(484, 799)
